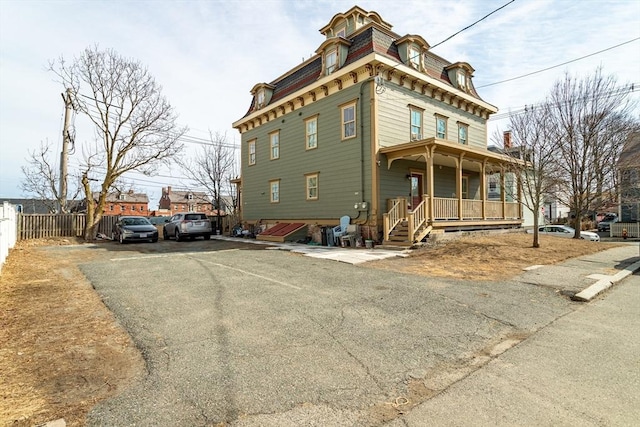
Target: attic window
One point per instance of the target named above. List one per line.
(260, 100)
(342, 32)
(414, 57)
(121, 197)
(330, 61)
(461, 78)
(190, 197)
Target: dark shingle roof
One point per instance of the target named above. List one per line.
(364, 43)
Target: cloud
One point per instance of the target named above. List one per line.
(207, 55)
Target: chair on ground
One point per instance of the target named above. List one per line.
(341, 230)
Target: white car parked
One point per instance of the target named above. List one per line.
(565, 231)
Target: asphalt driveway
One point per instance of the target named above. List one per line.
(246, 336)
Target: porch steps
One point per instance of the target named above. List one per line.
(284, 232)
(400, 235)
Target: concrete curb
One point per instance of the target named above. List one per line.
(605, 283)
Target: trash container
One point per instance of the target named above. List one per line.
(368, 244)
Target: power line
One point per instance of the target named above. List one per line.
(469, 26)
(559, 65)
(632, 88)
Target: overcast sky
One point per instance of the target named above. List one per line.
(208, 55)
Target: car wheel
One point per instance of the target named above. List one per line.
(165, 236)
(207, 236)
(154, 240)
(178, 237)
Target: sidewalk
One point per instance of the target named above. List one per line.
(581, 370)
(335, 253)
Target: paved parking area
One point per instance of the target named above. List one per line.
(233, 333)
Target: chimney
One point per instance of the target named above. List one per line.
(507, 139)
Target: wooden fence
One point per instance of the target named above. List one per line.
(38, 226)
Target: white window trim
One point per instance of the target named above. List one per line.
(307, 134)
(307, 177)
(334, 67)
(416, 136)
(446, 125)
(273, 199)
(415, 58)
(275, 134)
(343, 123)
(466, 132)
(251, 150)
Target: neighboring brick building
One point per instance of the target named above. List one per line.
(185, 201)
(128, 203)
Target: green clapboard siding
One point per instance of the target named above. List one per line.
(337, 162)
(394, 118)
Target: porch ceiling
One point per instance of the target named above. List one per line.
(444, 154)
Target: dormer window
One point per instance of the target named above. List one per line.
(260, 98)
(190, 196)
(342, 32)
(460, 75)
(330, 61)
(461, 78)
(414, 57)
(122, 197)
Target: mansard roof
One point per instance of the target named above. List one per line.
(372, 38)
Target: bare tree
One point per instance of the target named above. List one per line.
(41, 179)
(532, 160)
(213, 167)
(135, 126)
(582, 116)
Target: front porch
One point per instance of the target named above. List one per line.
(404, 226)
(451, 187)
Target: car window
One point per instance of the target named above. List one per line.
(194, 217)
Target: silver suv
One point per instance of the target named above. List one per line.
(187, 225)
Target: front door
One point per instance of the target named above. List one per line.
(416, 189)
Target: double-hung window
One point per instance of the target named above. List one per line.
(463, 133)
(441, 127)
(414, 57)
(312, 186)
(311, 133)
(260, 98)
(416, 124)
(252, 152)
(330, 61)
(274, 143)
(348, 113)
(274, 191)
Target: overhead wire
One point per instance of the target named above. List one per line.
(469, 26)
(559, 65)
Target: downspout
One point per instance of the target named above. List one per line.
(360, 104)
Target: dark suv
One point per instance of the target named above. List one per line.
(605, 223)
(187, 225)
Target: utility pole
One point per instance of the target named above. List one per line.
(66, 140)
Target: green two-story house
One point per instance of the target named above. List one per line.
(374, 127)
